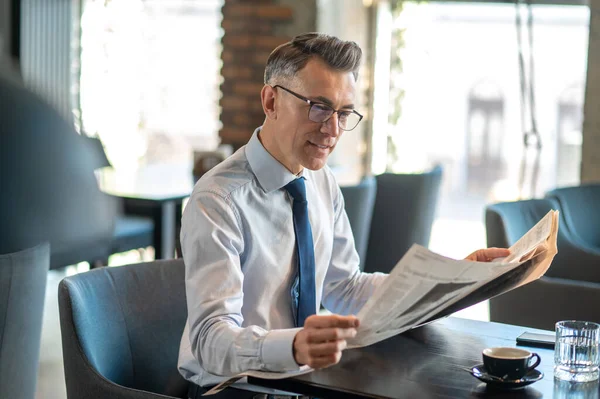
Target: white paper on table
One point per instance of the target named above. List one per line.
(267, 375)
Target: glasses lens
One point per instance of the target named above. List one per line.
(348, 120)
(320, 113)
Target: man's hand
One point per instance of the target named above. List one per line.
(488, 254)
(321, 342)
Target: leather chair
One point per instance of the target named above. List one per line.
(22, 292)
(403, 215)
(121, 328)
(570, 287)
(580, 206)
(359, 201)
(130, 232)
(49, 191)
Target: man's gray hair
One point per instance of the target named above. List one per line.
(287, 59)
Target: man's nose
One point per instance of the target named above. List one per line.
(331, 126)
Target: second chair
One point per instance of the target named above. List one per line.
(569, 286)
(130, 232)
(403, 215)
(121, 328)
(359, 201)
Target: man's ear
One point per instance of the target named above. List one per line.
(267, 97)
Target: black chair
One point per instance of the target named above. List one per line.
(403, 215)
(359, 201)
(49, 191)
(121, 328)
(131, 232)
(569, 288)
(22, 292)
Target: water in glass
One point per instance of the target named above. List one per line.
(576, 351)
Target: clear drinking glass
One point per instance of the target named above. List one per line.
(576, 351)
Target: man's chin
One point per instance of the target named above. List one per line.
(315, 164)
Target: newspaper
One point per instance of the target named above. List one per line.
(425, 286)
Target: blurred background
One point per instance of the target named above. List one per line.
(491, 91)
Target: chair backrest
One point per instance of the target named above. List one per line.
(49, 189)
(22, 292)
(506, 222)
(359, 201)
(96, 149)
(580, 206)
(403, 215)
(121, 328)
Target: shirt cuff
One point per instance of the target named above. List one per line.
(277, 352)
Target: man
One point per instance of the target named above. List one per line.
(265, 237)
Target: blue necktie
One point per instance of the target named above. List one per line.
(306, 295)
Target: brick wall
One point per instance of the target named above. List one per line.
(252, 29)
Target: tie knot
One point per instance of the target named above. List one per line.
(297, 189)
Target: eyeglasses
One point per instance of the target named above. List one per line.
(320, 113)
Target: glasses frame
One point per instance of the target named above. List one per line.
(311, 103)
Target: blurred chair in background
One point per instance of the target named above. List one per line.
(403, 215)
(22, 290)
(359, 201)
(96, 149)
(50, 193)
(205, 161)
(131, 232)
(580, 207)
(570, 287)
(121, 329)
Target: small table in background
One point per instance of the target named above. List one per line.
(156, 191)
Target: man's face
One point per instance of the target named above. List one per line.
(302, 142)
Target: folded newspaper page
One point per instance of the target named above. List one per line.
(425, 286)
(267, 375)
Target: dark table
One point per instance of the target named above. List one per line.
(427, 363)
(156, 191)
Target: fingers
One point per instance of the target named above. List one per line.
(318, 355)
(476, 257)
(315, 336)
(327, 348)
(326, 361)
(321, 342)
(331, 321)
(496, 252)
(488, 254)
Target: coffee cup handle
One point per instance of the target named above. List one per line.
(537, 362)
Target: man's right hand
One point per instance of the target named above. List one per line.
(321, 342)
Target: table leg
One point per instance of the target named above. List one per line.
(164, 230)
(178, 215)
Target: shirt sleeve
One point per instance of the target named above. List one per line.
(212, 243)
(346, 289)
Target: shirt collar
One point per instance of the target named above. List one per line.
(271, 174)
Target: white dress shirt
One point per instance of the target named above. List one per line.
(238, 244)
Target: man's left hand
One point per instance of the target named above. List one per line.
(488, 254)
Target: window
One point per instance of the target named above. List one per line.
(456, 95)
(150, 77)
